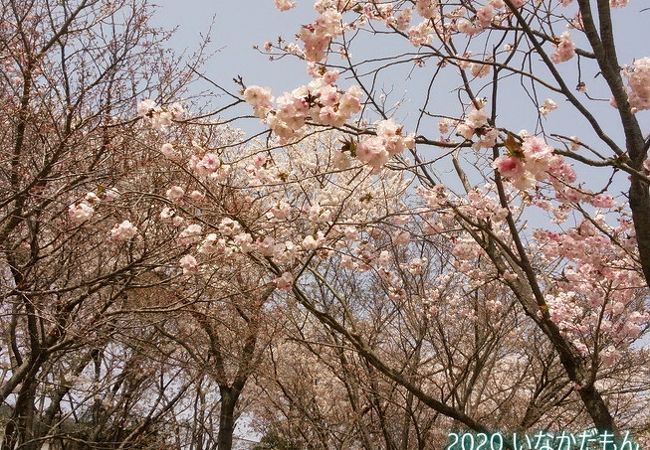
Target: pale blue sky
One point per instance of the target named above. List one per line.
(238, 25)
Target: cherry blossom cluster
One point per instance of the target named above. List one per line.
(595, 293)
(433, 14)
(159, 117)
(319, 101)
(82, 211)
(612, 3)
(284, 5)
(275, 208)
(452, 216)
(272, 208)
(638, 84)
(565, 49)
(123, 231)
(390, 140)
(547, 107)
(475, 124)
(533, 161)
(317, 36)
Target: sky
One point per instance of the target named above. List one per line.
(238, 26)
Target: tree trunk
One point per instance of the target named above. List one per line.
(19, 431)
(229, 397)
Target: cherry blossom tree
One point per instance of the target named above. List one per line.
(224, 328)
(556, 271)
(73, 228)
(346, 276)
(328, 230)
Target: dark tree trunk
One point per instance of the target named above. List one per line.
(19, 431)
(229, 397)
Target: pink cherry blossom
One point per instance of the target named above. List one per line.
(485, 15)
(477, 118)
(190, 234)
(372, 151)
(509, 166)
(80, 212)
(167, 213)
(189, 264)
(638, 83)
(145, 107)
(284, 5)
(111, 194)
(564, 49)
(421, 34)
(284, 282)
(547, 107)
(427, 8)
(175, 194)
(123, 232)
(168, 150)
(603, 201)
